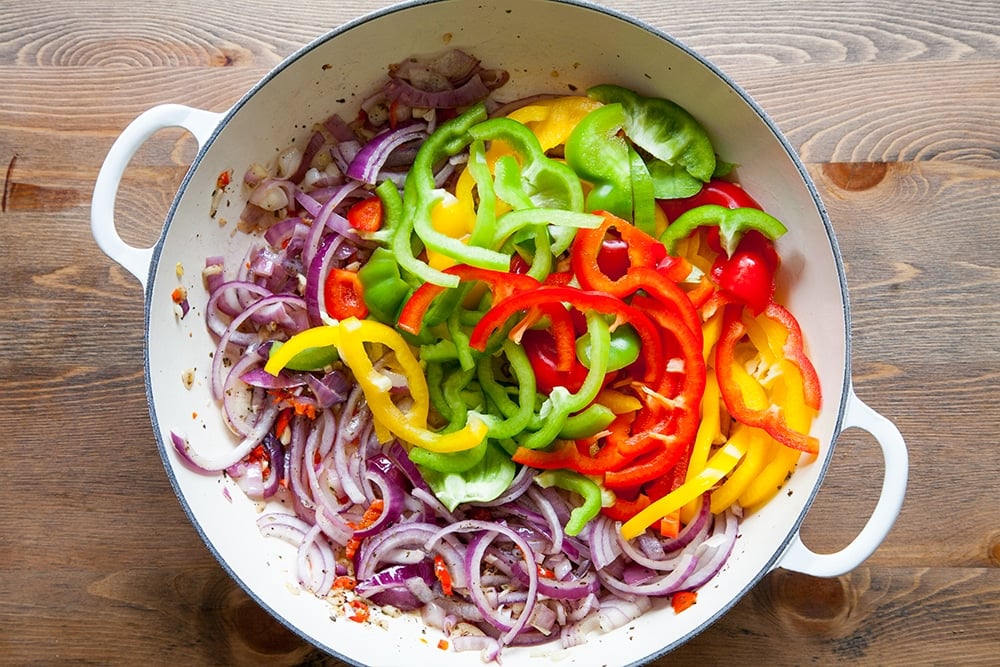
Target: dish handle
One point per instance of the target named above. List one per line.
(199, 123)
(799, 558)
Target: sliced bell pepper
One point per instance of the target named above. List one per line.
(584, 487)
(421, 195)
(552, 120)
(343, 294)
(382, 286)
(733, 223)
(645, 253)
(663, 129)
(583, 301)
(716, 191)
(502, 283)
(546, 183)
(410, 426)
(734, 384)
(600, 155)
(717, 467)
(366, 215)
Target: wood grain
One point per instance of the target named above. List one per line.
(892, 105)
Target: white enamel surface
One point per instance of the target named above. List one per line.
(547, 47)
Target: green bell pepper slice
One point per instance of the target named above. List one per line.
(733, 223)
(598, 153)
(581, 485)
(663, 129)
(383, 287)
(420, 195)
(543, 182)
(561, 403)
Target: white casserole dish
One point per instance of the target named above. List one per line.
(547, 47)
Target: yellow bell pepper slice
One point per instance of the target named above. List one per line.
(709, 431)
(618, 402)
(323, 336)
(351, 336)
(454, 216)
(798, 416)
(718, 466)
(758, 451)
(411, 426)
(552, 120)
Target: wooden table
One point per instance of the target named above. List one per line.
(895, 108)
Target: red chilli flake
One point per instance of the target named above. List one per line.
(443, 575)
(361, 611)
(223, 180)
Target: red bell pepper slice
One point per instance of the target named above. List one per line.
(582, 300)
(624, 509)
(342, 295)
(501, 283)
(645, 254)
(716, 191)
(795, 352)
(589, 251)
(366, 215)
(548, 361)
(617, 451)
(770, 420)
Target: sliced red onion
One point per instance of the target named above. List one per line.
(367, 164)
(255, 217)
(271, 304)
(616, 612)
(489, 648)
(392, 503)
(389, 586)
(697, 526)
(435, 505)
(276, 462)
(316, 278)
(273, 194)
(281, 233)
(252, 478)
(604, 546)
(317, 564)
(238, 453)
(258, 377)
(316, 142)
(451, 67)
(576, 588)
(414, 537)
(662, 585)
(316, 560)
(465, 95)
(327, 217)
(316, 483)
(339, 129)
(726, 528)
(238, 406)
(398, 454)
(298, 480)
(225, 301)
(334, 526)
(330, 389)
(490, 530)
